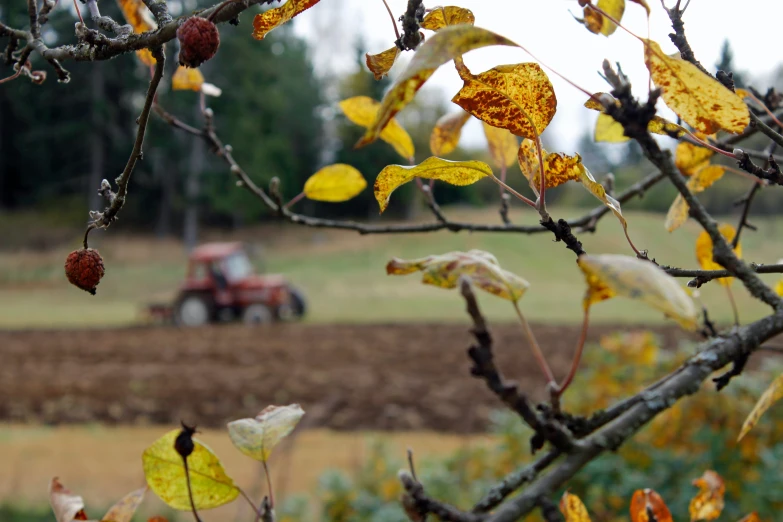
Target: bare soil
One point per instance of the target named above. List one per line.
(348, 377)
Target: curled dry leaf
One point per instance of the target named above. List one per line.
(165, 474)
(699, 182)
(447, 44)
(502, 146)
(558, 168)
(597, 23)
(441, 17)
(458, 173)
(126, 507)
(608, 275)
(268, 20)
(140, 18)
(646, 502)
(482, 268)
(187, 79)
(598, 190)
(380, 64)
(363, 110)
(573, 509)
(607, 129)
(704, 250)
(446, 133)
(701, 101)
(770, 396)
(708, 502)
(518, 97)
(690, 159)
(335, 183)
(65, 505)
(257, 437)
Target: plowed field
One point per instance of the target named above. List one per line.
(380, 377)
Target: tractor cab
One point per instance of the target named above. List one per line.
(221, 284)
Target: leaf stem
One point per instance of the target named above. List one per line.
(514, 192)
(269, 485)
(256, 510)
(561, 388)
(295, 200)
(541, 201)
(733, 305)
(394, 22)
(78, 12)
(190, 490)
(536, 349)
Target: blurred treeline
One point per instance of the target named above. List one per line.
(58, 141)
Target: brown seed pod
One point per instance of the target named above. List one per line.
(84, 269)
(199, 40)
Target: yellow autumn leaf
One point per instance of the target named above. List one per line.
(611, 131)
(257, 437)
(65, 505)
(441, 17)
(482, 268)
(502, 146)
(446, 133)
(597, 23)
(770, 396)
(646, 501)
(690, 159)
(268, 20)
(445, 45)
(363, 110)
(518, 97)
(379, 64)
(779, 288)
(558, 168)
(140, 18)
(699, 182)
(187, 78)
(165, 474)
(626, 276)
(335, 183)
(704, 250)
(459, 173)
(701, 101)
(573, 509)
(596, 189)
(708, 502)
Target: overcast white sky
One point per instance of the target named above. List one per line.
(547, 29)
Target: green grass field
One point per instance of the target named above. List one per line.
(344, 278)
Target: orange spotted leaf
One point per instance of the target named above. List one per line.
(502, 146)
(447, 44)
(379, 64)
(446, 133)
(481, 268)
(362, 110)
(608, 275)
(699, 182)
(708, 502)
(573, 509)
(517, 97)
(690, 158)
(704, 250)
(268, 20)
(459, 173)
(770, 396)
(187, 79)
(558, 168)
(701, 101)
(648, 506)
(441, 17)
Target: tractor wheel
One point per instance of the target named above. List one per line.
(257, 314)
(193, 310)
(294, 309)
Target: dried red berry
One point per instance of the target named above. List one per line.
(84, 268)
(198, 41)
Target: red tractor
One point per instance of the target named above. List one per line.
(221, 286)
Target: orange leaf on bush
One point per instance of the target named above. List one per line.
(379, 64)
(268, 20)
(708, 502)
(573, 509)
(646, 502)
(704, 250)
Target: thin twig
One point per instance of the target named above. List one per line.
(394, 22)
(190, 490)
